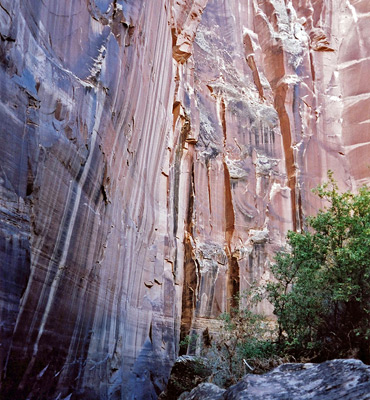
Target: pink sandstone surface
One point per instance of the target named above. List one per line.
(153, 156)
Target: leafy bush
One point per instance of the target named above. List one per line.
(244, 344)
(321, 296)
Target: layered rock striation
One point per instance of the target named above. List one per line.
(154, 155)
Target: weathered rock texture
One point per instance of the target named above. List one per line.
(337, 379)
(153, 156)
(186, 373)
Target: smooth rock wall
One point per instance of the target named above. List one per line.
(86, 111)
(153, 156)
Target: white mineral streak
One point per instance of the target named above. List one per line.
(68, 234)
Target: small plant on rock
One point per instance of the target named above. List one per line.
(244, 344)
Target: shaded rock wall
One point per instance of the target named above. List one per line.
(154, 154)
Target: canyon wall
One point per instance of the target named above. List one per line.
(153, 156)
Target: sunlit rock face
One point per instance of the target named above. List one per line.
(279, 98)
(153, 156)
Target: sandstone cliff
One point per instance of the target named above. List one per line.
(153, 156)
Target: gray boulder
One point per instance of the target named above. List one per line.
(204, 391)
(331, 380)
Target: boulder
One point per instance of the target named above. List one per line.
(336, 379)
(204, 391)
(187, 372)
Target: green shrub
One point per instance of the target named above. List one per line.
(321, 296)
(244, 344)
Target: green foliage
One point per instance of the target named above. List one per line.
(321, 295)
(189, 342)
(244, 344)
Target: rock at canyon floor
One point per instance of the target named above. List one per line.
(336, 379)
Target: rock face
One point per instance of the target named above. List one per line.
(154, 154)
(337, 379)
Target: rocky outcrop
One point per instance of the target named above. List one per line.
(186, 373)
(336, 379)
(154, 154)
